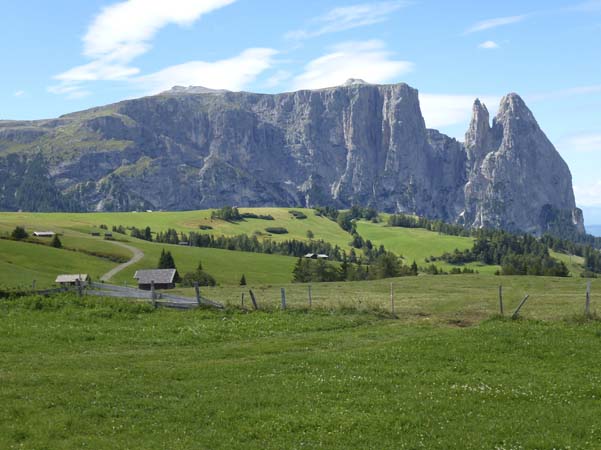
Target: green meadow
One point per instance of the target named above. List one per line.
(84, 253)
(404, 363)
(107, 374)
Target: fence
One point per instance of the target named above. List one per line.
(469, 297)
(157, 298)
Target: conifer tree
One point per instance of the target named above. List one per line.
(56, 242)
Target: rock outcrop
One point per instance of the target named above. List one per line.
(516, 177)
(365, 144)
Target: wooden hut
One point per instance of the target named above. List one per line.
(71, 280)
(162, 278)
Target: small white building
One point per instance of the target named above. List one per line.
(71, 280)
(44, 233)
(316, 256)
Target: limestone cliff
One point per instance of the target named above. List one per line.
(358, 143)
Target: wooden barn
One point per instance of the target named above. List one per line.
(47, 234)
(71, 280)
(316, 256)
(162, 278)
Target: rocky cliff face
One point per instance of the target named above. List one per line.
(516, 177)
(354, 144)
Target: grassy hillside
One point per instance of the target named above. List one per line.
(417, 244)
(226, 266)
(101, 374)
(21, 263)
(187, 221)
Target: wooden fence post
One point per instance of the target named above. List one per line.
(517, 311)
(152, 294)
(310, 297)
(283, 291)
(587, 305)
(243, 299)
(501, 299)
(79, 289)
(391, 299)
(254, 300)
(197, 290)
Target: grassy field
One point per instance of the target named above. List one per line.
(110, 375)
(417, 244)
(21, 263)
(43, 264)
(187, 221)
(465, 299)
(226, 266)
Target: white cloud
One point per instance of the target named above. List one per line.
(71, 91)
(581, 143)
(277, 78)
(578, 90)
(19, 94)
(494, 23)
(368, 60)
(124, 31)
(588, 195)
(442, 110)
(489, 45)
(232, 74)
(348, 17)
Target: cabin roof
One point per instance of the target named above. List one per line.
(159, 276)
(72, 278)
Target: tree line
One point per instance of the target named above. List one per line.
(516, 254)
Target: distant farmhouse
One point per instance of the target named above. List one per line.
(316, 256)
(44, 233)
(162, 278)
(71, 280)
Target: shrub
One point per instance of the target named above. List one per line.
(298, 214)
(199, 276)
(276, 230)
(257, 216)
(205, 227)
(19, 234)
(56, 242)
(227, 213)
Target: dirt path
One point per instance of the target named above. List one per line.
(138, 255)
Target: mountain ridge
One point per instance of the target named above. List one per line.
(359, 143)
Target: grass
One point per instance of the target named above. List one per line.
(417, 244)
(465, 299)
(226, 266)
(21, 263)
(187, 221)
(575, 264)
(95, 374)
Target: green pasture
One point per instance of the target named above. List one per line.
(107, 374)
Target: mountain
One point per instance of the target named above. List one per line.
(191, 148)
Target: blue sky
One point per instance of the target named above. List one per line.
(67, 55)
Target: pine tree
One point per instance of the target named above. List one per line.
(148, 234)
(414, 268)
(56, 242)
(166, 260)
(243, 280)
(19, 233)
